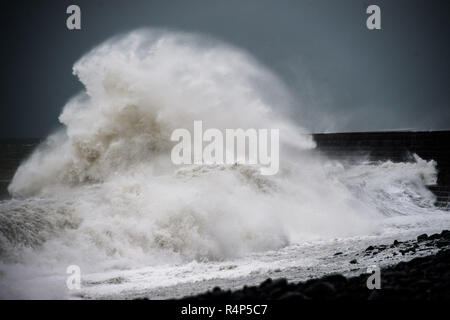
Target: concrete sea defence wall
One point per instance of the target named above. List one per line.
(396, 146)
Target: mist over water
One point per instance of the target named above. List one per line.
(103, 193)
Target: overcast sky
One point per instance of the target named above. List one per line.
(344, 76)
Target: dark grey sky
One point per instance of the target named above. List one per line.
(343, 76)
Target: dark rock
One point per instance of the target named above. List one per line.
(422, 237)
(335, 279)
(375, 295)
(294, 296)
(369, 248)
(443, 243)
(272, 285)
(321, 290)
(276, 293)
(422, 278)
(423, 284)
(395, 274)
(282, 282)
(354, 261)
(445, 234)
(266, 283)
(338, 253)
(434, 236)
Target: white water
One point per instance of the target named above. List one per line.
(104, 195)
